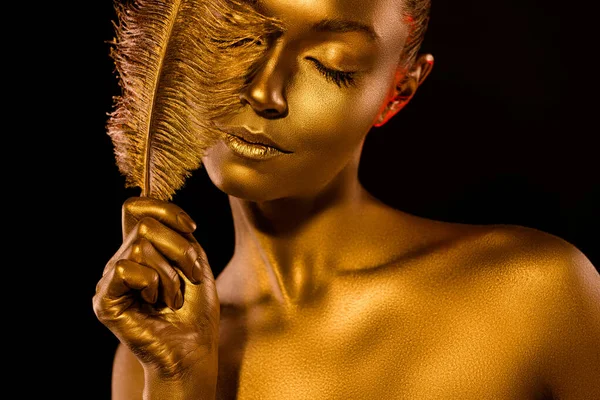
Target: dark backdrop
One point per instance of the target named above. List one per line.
(487, 139)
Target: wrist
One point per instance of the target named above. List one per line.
(198, 382)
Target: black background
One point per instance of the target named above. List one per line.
(487, 139)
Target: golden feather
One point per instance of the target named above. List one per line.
(181, 65)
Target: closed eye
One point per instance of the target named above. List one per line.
(340, 78)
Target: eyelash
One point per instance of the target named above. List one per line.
(340, 78)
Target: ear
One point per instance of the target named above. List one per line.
(405, 86)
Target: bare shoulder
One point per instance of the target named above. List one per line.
(532, 260)
(127, 376)
(535, 255)
(569, 286)
(556, 289)
(514, 249)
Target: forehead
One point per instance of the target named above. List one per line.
(383, 17)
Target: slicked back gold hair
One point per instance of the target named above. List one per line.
(416, 14)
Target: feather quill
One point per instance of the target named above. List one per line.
(181, 65)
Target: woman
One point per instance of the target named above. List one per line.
(330, 293)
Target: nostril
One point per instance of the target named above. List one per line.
(269, 108)
(272, 113)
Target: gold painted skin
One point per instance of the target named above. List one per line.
(330, 293)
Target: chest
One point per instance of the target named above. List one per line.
(376, 347)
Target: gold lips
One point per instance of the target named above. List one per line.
(253, 138)
(253, 151)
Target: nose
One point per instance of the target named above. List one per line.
(265, 91)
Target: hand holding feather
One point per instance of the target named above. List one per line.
(158, 297)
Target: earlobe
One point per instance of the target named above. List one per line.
(406, 85)
(389, 111)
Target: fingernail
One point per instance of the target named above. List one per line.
(186, 222)
(197, 271)
(178, 300)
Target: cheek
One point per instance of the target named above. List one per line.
(331, 118)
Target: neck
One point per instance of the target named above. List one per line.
(291, 245)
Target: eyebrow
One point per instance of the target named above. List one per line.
(343, 26)
(335, 25)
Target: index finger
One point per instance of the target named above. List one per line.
(170, 214)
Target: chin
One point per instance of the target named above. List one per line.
(245, 183)
(261, 182)
(239, 180)
(241, 190)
